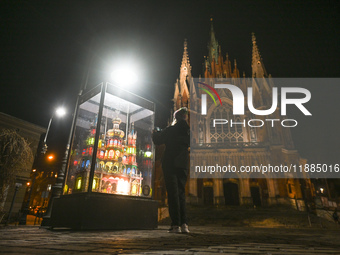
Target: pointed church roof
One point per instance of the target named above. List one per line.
(185, 71)
(213, 46)
(181, 91)
(258, 69)
(185, 58)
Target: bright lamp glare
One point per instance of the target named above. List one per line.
(124, 76)
(60, 112)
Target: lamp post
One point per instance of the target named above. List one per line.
(60, 112)
(57, 188)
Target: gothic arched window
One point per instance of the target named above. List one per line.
(225, 133)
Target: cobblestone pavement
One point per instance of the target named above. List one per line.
(201, 240)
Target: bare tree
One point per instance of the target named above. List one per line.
(15, 157)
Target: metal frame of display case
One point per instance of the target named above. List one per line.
(95, 210)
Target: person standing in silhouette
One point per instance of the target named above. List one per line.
(175, 166)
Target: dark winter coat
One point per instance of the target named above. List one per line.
(177, 141)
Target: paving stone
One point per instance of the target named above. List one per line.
(173, 252)
(26, 250)
(204, 240)
(88, 253)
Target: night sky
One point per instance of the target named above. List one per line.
(48, 46)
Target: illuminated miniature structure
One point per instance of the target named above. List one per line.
(117, 171)
(110, 168)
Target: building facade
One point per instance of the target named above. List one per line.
(245, 145)
(32, 133)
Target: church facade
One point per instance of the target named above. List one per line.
(244, 145)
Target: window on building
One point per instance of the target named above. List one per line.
(225, 133)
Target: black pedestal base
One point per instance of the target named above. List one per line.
(104, 211)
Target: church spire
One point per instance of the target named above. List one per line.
(185, 70)
(185, 58)
(181, 95)
(258, 69)
(213, 44)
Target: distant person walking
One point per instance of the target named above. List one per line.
(175, 167)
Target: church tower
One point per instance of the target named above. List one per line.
(213, 46)
(181, 95)
(243, 145)
(214, 65)
(257, 66)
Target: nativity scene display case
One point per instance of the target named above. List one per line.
(113, 155)
(111, 158)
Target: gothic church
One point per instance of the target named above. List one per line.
(245, 145)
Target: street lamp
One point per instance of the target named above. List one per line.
(124, 76)
(58, 186)
(60, 112)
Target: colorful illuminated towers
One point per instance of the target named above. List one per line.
(130, 152)
(116, 170)
(114, 148)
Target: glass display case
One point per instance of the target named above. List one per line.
(110, 164)
(112, 150)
